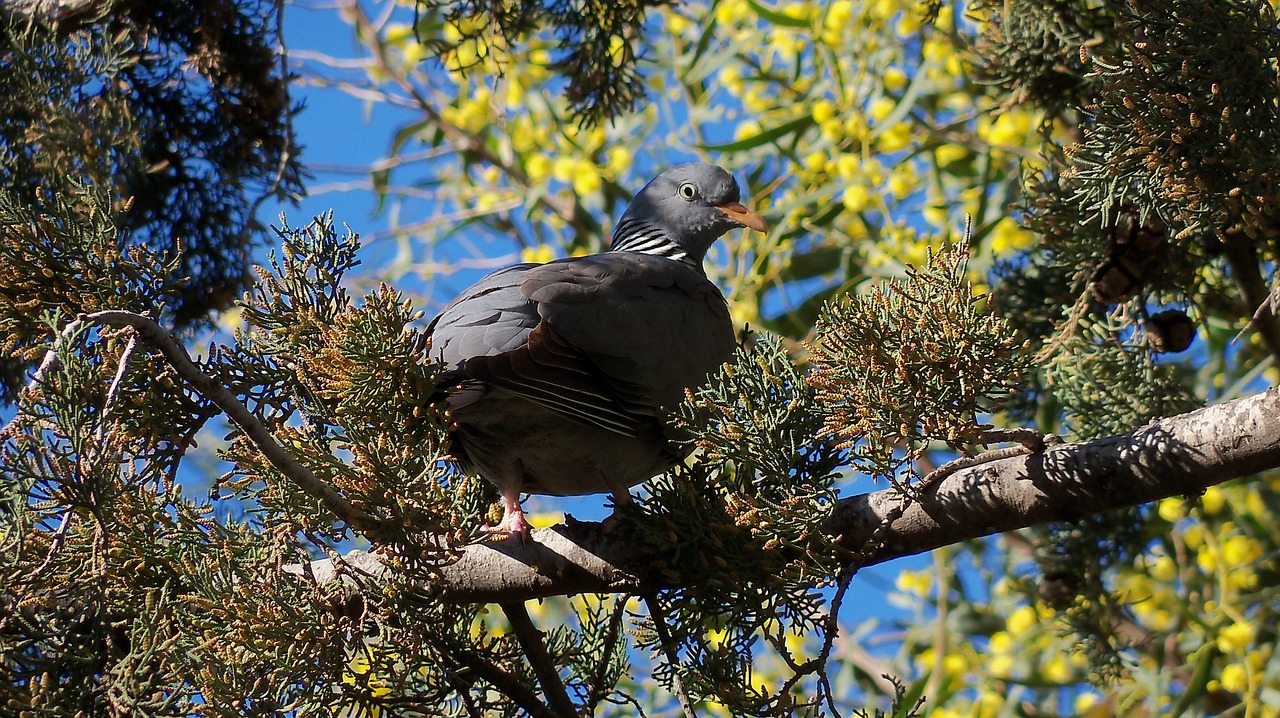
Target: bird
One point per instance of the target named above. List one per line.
(557, 375)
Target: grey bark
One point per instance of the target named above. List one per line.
(1179, 455)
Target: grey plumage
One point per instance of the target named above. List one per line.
(560, 370)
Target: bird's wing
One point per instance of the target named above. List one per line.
(489, 317)
(620, 335)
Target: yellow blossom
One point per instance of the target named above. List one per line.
(894, 137)
(1057, 670)
(1242, 578)
(1239, 551)
(856, 198)
(537, 254)
(832, 130)
(744, 312)
(411, 53)
(847, 166)
(758, 100)
(515, 95)
(1023, 618)
(1164, 569)
(949, 153)
(562, 168)
(1007, 236)
(1207, 558)
(794, 642)
(908, 24)
(618, 159)
(677, 23)
(786, 43)
(1171, 509)
(838, 15)
(895, 80)
(914, 582)
(586, 178)
(749, 128)
(855, 126)
(488, 200)
(815, 162)
(823, 110)
(1009, 128)
(716, 637)
(935, 214)
(730, 12)
(1235, 678)
(1212, 500)
(1084, 702)
(538, 167)
(902, 182)
(1235, 638)
(1000, 642)
(881, 108)
(1000, 666)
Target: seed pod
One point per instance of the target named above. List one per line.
(1134, 256)
(1170, 331)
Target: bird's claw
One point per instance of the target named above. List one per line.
(512, 526)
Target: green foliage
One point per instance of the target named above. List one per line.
(351, 391)
(67, 258)
(1168, 132)
(88, 502)
(178, 112)
(864, 135)
(916, 360)
(1034, 51)
(600, 44)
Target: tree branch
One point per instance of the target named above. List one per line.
(1179, 455)
(1243, 258)
(544, 667)
(214, 391)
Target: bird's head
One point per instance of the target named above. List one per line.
(682, 211)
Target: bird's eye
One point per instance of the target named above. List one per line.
(687, 191)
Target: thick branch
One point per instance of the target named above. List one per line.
(1180, 455)
(544, 667)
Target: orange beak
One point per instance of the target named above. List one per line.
(743, 216)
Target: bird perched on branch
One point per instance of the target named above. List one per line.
(557, 373)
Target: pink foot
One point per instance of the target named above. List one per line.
(513, 524)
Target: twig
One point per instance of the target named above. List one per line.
(1242, 258)
(113, 391)
(1031, 442)
(215, 392)
(59, 536)
(535, 649)
(47, 364)
(109, 403)
(832, 630)
(669, 650)
(509, 685)
(596, 692)
(1271, 305)
(99, 434)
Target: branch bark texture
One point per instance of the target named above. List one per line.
(1179, 455)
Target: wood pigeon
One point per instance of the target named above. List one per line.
(558, 373)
